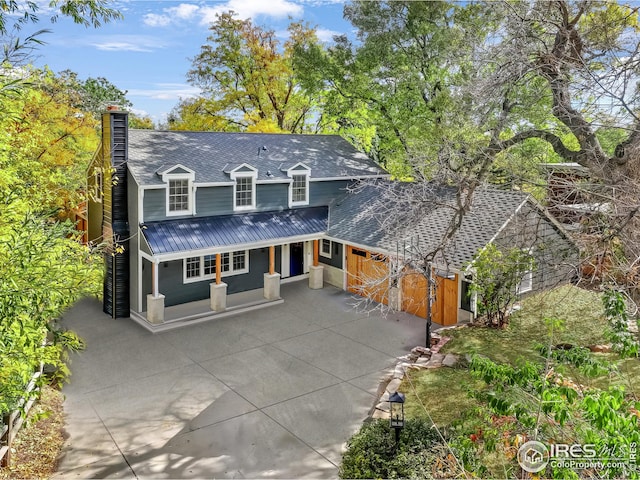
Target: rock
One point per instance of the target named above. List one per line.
(384, 406)
(408, 358)
(384, 397)
(435, 361)
(400, 370)
(450, 360)
(380, 414)
(437, 357)
(600, 348)
(422, 361)
(420, 350)
(393, 385)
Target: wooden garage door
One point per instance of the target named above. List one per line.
(414, 294)
(367, 274)
(445, 306)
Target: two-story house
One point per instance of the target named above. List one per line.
(198, 216)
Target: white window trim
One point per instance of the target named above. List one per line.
(527, 278)
(98, 185)
(302, 170)
(323, 253)
(190, 177)
(253, 174)
(202, 276)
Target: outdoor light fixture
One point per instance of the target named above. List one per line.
(396, 407)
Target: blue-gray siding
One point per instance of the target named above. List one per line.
(211, 201)
(172, 286)
(336, 256)
(554, 254)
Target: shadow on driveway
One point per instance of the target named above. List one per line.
(272, 393)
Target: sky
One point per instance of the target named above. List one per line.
(148, 53)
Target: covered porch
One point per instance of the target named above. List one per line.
(192, 269)
(199, 311)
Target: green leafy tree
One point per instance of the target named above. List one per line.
(247, 80)
(536, 402)
(408, 58)
(43, 271)
(43, 268)
(94, 94)
(497, 274)
(141, 122)
(90, 13)
(46, 143)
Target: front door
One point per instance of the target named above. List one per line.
(296, 259)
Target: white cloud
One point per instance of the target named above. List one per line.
(185, 11)
(155, 20)
(326, 35)
(130, 43)
(207, 14)
(254, 8)
(166, 91)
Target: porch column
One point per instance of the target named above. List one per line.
(316, 252)
(272, 260)
(316, 271)
(218, 290)
(272, 278)
(155, 300)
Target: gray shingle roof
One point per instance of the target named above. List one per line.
(213, 154)
(183, 235)
(421, 216)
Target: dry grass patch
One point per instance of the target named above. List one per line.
(40, 440)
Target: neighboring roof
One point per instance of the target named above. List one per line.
(565, 167)
(364, 218)
(201, 233)
(213, 154)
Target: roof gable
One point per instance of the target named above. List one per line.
(174, 170)
(363, 217)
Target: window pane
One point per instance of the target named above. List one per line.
(193, 267)
(299, 188)
(238, 261)
(326, 246)
(244, 190)
(178, 195)
(225, 262)
(209, 264)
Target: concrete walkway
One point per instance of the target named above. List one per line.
(272, 393)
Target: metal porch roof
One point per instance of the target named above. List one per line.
(201, 233)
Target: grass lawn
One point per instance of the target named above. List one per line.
(581, 310)
(442, 393)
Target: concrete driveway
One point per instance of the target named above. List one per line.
(273, 393)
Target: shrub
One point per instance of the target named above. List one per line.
(371, 453)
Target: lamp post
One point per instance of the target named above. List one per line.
(396, 420)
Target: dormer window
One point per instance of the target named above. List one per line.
(244, 187)
(299, 187)
(244, 192)
(180, 191)
(179, 196)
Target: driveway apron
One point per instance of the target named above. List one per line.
(271, 393)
